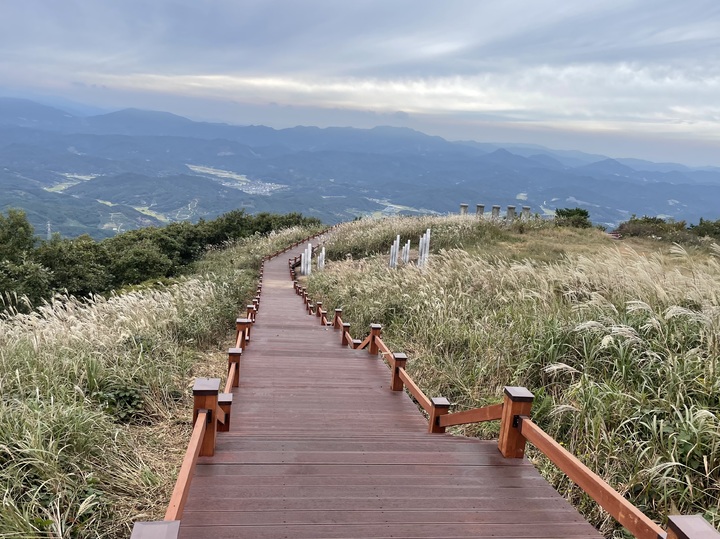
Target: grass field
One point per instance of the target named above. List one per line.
(619, 341)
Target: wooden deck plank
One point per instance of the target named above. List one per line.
(320, 447)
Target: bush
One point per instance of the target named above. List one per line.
(574, 217)
(656, 228)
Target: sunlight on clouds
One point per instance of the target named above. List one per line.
(591, 94)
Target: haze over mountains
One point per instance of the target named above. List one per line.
(100, 174)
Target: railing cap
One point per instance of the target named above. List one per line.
(440, 402)
(375, 326)
(400, 355)
(206, 386)
(519, 394)
(338, 310)
(691, 527)
(346, 324)
(164, 529)
(235, 351)
(243, 321)
(225, 398)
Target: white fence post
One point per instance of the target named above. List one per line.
(424, 249)
(306, 260)
(406, 253)
(394, 252)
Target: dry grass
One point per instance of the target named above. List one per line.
(95, 408)
(619, 346)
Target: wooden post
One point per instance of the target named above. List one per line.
(318, 308)
(518, 401)
(205, 397)
(250, 314)
(345, 331)
(338, 317)
(243, 332)
(310, 308)
(234, 355)
(440, 406)
(690, 527)
(375, 330)
(398, 362)
(323, 313)
(225, 404)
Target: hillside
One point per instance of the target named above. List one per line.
(96, 410)
(334, 173)
(616, 339)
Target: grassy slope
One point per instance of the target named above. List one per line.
(618, 340)
(95, 408)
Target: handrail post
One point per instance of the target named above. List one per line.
(399, 361)
(518, 402)
(234, 355)
(345, 331)
(440, 406)
(205, 397)
(225, 404)
(336, 320)
(250, 312)
(375, 330)
(242, 326)
(690, 527)
(318, 308)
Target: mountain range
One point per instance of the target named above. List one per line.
(111, 172)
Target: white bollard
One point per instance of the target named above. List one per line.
(394, 252)
(424, 249)
(406, 253)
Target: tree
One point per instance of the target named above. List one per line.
(574, 217)
(17, 236)
(80, 265)
(23, 279)
(139, 262)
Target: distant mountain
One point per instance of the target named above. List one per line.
(606, 166)
(131, 168)
(25, 113)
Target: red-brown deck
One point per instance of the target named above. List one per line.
(320, 447)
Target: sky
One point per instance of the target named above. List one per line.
(626, 78)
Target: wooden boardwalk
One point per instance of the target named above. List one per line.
(320, 447)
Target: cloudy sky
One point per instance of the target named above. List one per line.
(628, 78)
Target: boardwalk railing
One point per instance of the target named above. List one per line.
(211, 414)
(516, 429)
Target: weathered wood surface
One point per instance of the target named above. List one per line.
(320, 447)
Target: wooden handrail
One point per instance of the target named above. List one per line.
(365, 343)
(608, 498)
(476, 415)
(230, 378)
(415, 391)
(383, 348)
(182, 485)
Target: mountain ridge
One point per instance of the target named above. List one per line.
(128, 158)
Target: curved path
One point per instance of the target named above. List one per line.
(320, 447)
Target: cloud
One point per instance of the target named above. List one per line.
(647, 66)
